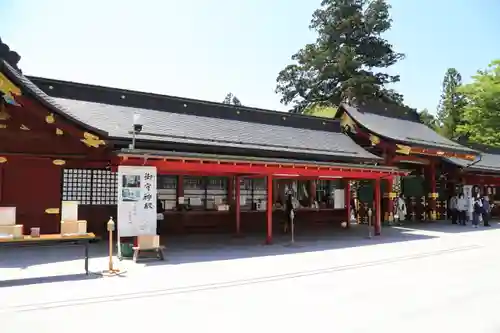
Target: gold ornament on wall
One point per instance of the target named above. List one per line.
(49, 119)
(3, 114)
(9, 90)
(52, 211)
(59, 162)
(91, 140)
(402, 149)
(24, 128)
(375, 140)
(59, 131)
(3, 159)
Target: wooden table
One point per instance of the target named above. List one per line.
(54, 240)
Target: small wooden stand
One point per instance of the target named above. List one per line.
(111, 271)
(148, 243)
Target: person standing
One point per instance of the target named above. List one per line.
(477, 211)
(400, 209)
(462, 209)
(486, 211)
(289, 211)
(454, 209)
(159, 215)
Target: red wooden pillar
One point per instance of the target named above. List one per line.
(348, 201)
(237, 189)
(312, 192)
(389, 195)
(180, 187)
(269, 210)
(433, 195)
(230, 190)
(390, 199)
(378, 222)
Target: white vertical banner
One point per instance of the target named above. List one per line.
(136, 201)
(339, 198)
(468, 195)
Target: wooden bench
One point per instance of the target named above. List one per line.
(148, 243)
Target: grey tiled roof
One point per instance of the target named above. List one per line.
(116, 121)
(404, 131)
(488, 163)
(192, 129)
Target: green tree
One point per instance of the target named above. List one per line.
(319, 110)
(428, 119)
(481, 114)
(451, 105)
(231, 99)
(347, 60)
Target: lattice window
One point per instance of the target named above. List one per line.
(104, 187)
(77, 186)
(90, 186)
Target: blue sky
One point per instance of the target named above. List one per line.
(204, 49)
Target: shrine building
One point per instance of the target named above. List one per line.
(64, 140)
(221, 167)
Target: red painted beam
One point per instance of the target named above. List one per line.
(283, 170)
(481, 179)
(402, 158)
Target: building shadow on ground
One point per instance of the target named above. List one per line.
(47, 279)
(23, 257)
(447, 227)
(204, 248)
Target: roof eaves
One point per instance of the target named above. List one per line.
(31, 89)
(146, 152)
(458, 148)
(367, 157)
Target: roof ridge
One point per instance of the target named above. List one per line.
(176, 98)
(171, 104)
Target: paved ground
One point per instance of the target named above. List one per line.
(439, 278)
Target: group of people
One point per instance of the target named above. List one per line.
(481, 209)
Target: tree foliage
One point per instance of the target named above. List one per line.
(451, 105)
(481, 114)
(320, 110)
(231, 99)
(428, 119)
(347, 60)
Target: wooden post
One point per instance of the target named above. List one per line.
(378, 222)
(433, 195)
(180, 187)
(237, 189)
(269, 210)
(348, 202)
(312, 192)
(230, 190)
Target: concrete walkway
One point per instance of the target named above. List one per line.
(435, 277)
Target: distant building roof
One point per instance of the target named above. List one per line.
(490, 159)
(400, 124)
